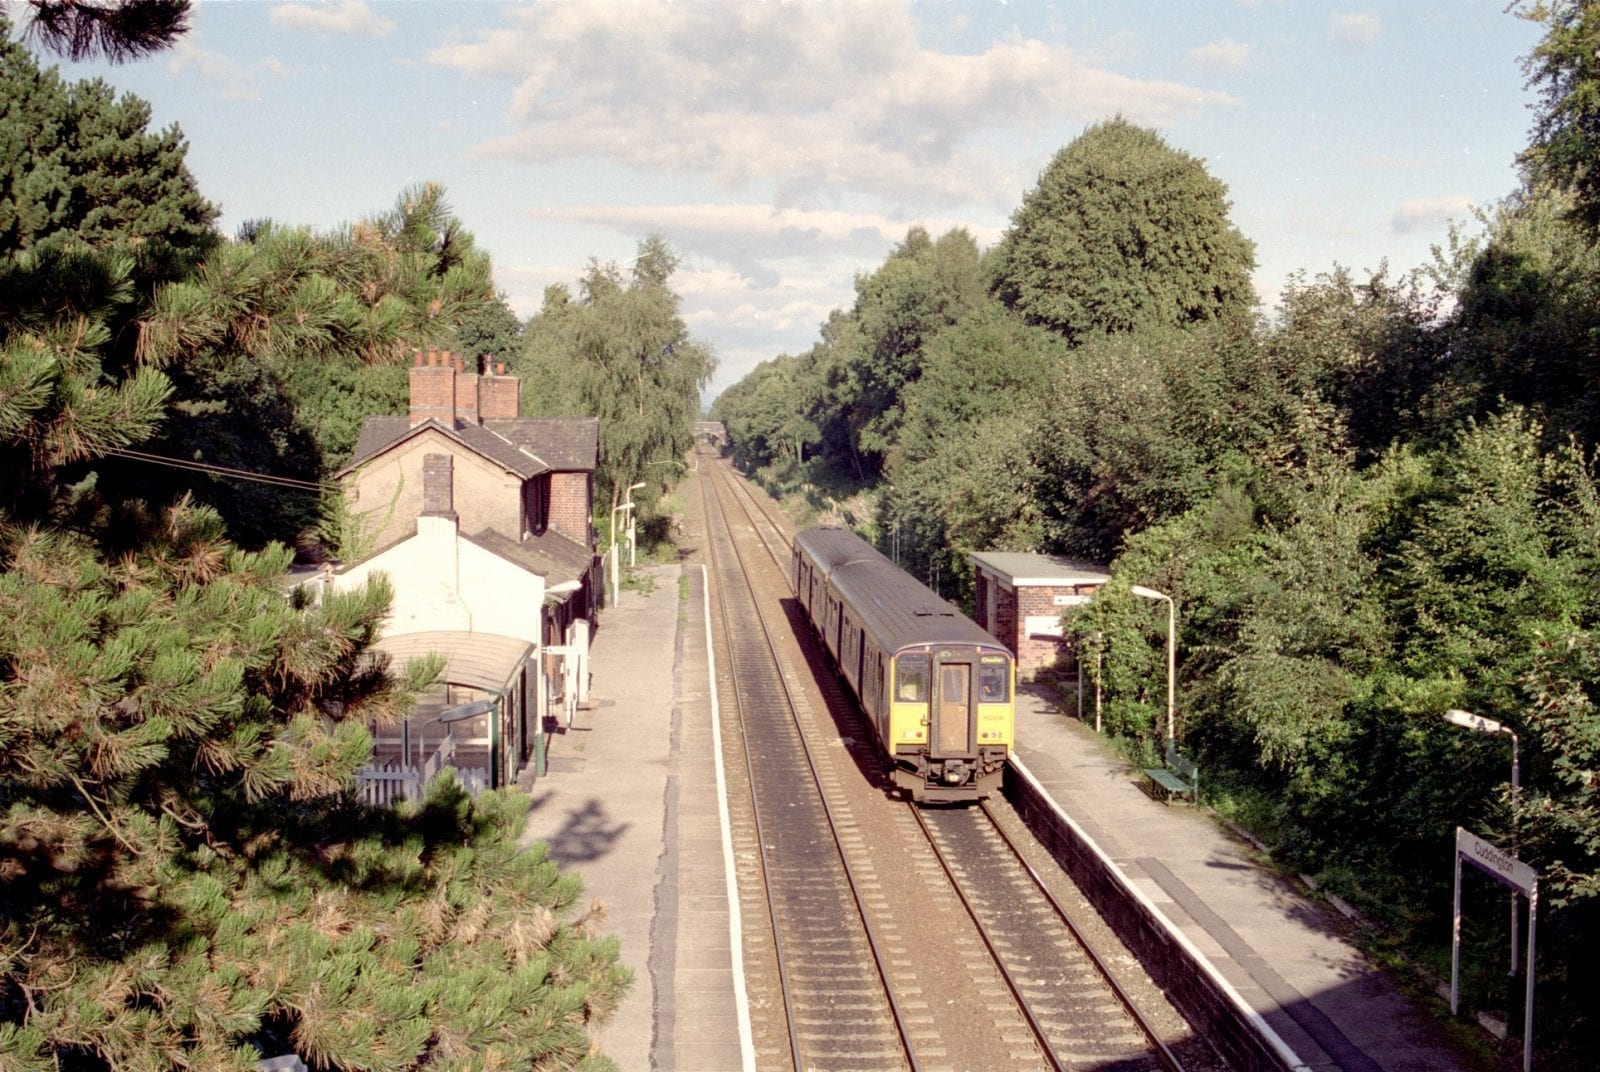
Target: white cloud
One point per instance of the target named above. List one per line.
(1225, 55)
(1361, 28)
(819, 100)
(750, 323)
(1427, 213)
(232, 80)
(353, 17)
(753, 237)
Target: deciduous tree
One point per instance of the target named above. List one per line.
(1565, 68)
(621, 353)
(1123, 232)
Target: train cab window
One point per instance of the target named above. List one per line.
(993, 684)
(911, 679)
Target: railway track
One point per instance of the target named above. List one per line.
(973, 921)
(1077, 1009)
(838, 1004)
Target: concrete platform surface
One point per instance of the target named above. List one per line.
(630, 803)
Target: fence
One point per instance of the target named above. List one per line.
(384, 783)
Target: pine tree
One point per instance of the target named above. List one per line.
(78, 161)
(59, 405)
(119, 30)
(183, 878)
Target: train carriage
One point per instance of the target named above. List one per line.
(938, 691)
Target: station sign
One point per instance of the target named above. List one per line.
(1498, 865)
(1507, 870)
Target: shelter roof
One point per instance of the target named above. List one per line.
(478, 660)
(1029, 569)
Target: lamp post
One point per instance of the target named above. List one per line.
(616, 566)
(627, 500)
(1172, 653)
(1477, 723)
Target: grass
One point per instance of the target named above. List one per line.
(816, 494)
(637, 580)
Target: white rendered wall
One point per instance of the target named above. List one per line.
(443, 582)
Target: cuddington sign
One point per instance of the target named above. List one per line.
(1500, 866)
(1508, 871)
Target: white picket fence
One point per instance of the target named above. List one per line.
(384, 783)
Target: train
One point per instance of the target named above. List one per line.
(938, 691)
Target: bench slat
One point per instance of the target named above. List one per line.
(1167, 781)
(1170, 783)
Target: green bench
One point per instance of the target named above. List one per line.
(1178, 780)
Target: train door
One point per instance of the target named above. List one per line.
(952, 710)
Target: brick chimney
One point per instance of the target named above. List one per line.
(498, 394)
(433, 388)
(438, 479)
(443, 390)
(466, 389)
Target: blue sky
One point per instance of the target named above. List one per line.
(785, 148)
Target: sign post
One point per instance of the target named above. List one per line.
(1511, 872)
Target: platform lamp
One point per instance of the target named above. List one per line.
(1172, 654)
(616, 565)
(1477, 723)
(627, 500)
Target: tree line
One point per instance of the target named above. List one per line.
(1373, 504)
(185, 876)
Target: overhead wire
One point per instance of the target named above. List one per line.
(218, 470)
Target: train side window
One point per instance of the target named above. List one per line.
(911, 679)
(993, 684)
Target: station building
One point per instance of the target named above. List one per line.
(1020, 598)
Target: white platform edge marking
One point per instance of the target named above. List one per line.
(741, 1000)
(1285, 1053)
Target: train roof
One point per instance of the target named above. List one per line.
(894, 606)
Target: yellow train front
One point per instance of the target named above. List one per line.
(938, 690)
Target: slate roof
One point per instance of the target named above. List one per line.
(549, 554)
(567, 444)
(526, 446)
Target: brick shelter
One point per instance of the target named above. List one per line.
(1020, 598)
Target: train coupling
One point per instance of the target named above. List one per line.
(955, 771)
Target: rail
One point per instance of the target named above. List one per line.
(735, 579)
